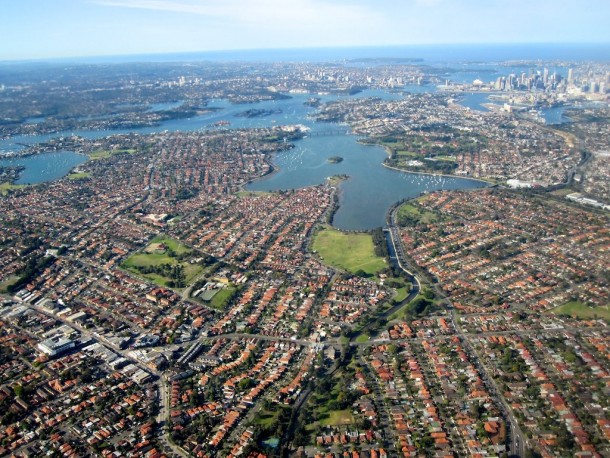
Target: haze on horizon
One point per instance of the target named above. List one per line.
(41, 29)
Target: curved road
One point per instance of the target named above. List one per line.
(517, 445)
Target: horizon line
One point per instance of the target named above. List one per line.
(73, 59)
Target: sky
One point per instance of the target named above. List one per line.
(39, 29)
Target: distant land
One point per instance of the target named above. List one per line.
(386, 60)
(447, 53)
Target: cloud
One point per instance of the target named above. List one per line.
(272, 22)
(428, 2)
(251, 10)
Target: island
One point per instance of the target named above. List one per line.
(335, 159)
(257, 113)
(313, 102)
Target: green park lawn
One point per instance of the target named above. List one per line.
(409, 154)
(220, 299)
(103, 154)
(266, 418)
(7, 283)
(580, 310)
(79, 176)
(351, 252)
(445, 158)
(402, 293)
(337, 418)
(172, 244)
(6, 187)
(155, 255)
(415, 213)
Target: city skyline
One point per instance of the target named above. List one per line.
(33, 29)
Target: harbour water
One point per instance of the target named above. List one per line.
(44, 167)
(370, 190)
(364, 198)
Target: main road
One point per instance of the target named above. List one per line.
(517, 445)
(164, 407)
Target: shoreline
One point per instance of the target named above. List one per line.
(272, 171)
(482, 180)
(337, 188)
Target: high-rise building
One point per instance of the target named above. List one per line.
(570, 76)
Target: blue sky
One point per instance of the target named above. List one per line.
(34, 29)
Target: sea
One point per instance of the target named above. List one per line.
(427, 54)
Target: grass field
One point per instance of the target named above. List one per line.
(402, 293)
(153, 255)
(362, 338)
(337, 418)
(148, 259)
(79, 176)
(331, 418)
(413, 212)
(6, 187)
(445, 158)
(220, 299)
(103, 154)
(8, 282)
(580, 310)
(351, 252)
(172, 244)
(411, 154)
(266, 418)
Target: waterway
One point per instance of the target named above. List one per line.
(475, 100)
(371, 189)
(44, 167)
(364, 198)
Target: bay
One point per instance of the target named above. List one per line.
(44, 167)
(370, 190)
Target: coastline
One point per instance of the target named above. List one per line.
(481, 180)
(273, 169)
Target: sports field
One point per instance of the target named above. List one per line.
(161, 251)
(351, 252)
(580, 310)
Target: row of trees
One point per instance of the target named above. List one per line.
(175, 272)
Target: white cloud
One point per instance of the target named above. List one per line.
(252, 10)
(274, 22)
(428, 2)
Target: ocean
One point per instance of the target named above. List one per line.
(429, 54)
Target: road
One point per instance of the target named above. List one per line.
(163, 388)
(517, 438)
(517, 445)
(163, 419)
